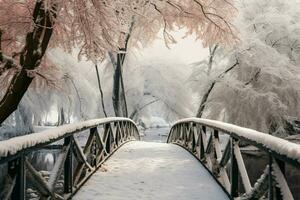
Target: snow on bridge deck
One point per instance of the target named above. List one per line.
(148, 170)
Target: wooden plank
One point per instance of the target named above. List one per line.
(80, 155)
(201, 145)
(209, 145)
(285, 192)
(100, 142)
(226, 154)
(58, 167)
(68, 166)
(17, 169)
(234, 191)
(17, 178)
(225, 179)
(223, 173)
(118, 138)
(217, 146)
(270, 178)
(89, 142)
(39, 182)
(260, 187)
(8, 186)
(78, 173)
(242, 168)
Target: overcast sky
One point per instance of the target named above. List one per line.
(187, 50)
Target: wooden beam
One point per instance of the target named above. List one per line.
(68, 166)
(234, 191)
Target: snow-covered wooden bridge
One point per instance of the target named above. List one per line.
(104, 159)
(148, 170)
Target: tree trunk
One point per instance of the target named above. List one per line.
(35, 47)
(61, 117)
(212, 53)
(101, 91)
(122, 93)
(119, 96)
(139, 109)
(204, 99)
(116, 89)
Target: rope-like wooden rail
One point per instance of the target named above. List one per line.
(74, 164)
(201, 137)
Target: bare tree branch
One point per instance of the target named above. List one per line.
(210, 88)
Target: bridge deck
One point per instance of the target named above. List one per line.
(146, 170)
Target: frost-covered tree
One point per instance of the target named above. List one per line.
(262, 90)
(159, 89)
(28, 27)
(209, 20)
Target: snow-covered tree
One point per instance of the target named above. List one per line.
(28, 27)
(261, 91)
(209, 20)
(158, 89)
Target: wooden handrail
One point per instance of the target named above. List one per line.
(75, 163)
(201, 137)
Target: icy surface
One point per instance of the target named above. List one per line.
(147, 170)
(276, 144)
(13, 145)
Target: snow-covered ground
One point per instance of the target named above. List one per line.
(147, 170)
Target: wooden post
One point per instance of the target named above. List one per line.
(108, 140)
(270, 179)
(215, 166)
(281, 165)
(202, 153)
(118, 138)
(216, 137)
(177, 134)
(194, 144)
(68, 167)
(16, 168)
(94, 149)
(234, 172)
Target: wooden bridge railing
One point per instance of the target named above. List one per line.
(201, 137)
(75, 162)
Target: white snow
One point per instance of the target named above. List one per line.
(147, 170)
(273, 143)
(242, 169)
(13, 145)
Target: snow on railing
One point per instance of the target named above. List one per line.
(16, 144)
(75, 163)
(202, 138)
(275, 144)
